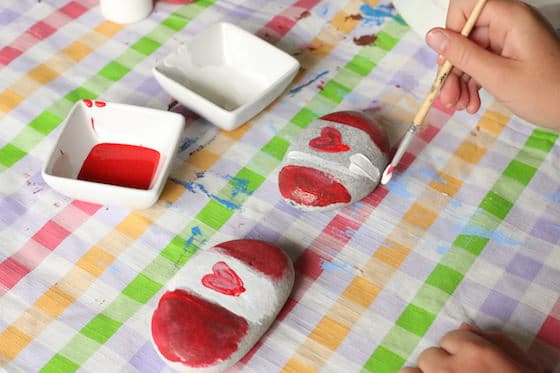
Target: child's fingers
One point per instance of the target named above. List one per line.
(465, 94)
(474, 102)
(481, 37)
(488, 68)
(455, 340)
(496, 338)
(451, 91)
(433, 359)
(504, 343)
(410, 370)
(469, 327)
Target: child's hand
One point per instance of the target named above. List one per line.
(512, 52)
(470, 350)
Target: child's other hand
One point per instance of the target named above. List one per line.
(470, 350)
(512, 52)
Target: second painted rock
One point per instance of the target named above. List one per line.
(223, 301)
(336, 161)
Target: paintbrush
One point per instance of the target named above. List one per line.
(429, 100)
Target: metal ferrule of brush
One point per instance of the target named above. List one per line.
(409, 135)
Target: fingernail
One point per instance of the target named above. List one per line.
(467, 326)
(437, 40)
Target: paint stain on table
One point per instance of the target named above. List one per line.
(365, 40)
(120, 164)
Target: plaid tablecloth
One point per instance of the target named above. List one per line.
(468, 229)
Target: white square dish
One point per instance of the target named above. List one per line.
(113, 154)
(226, 74)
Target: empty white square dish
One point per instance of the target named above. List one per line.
(113, 154)
(226, 74)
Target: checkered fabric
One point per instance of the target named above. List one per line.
(467, 230)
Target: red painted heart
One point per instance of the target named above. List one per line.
(330, 141)
(224, 280)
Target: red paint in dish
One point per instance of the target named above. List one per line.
(224, 280)
(259, 255)
(310, 187)
(190, 330)
(120, 164)
(330, 141)
(360, 121)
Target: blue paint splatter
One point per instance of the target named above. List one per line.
(114, 269)
(330, 266)
(472, 230)
(351, 97)
(195, 232)
(432, 175)
(324, 10)
(193, 243)
(356, 208)
(553, 197)
(380, 14)
(455, 203)
(239, 186)
(187, 144)
(300, 87)
(398, 188)
(194, 187)
(273, 129)
(442, 249)
(230, 205)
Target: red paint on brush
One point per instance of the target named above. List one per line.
(190, 330)
(360, 121)
(310, 187)
(224, 280)
(330, 141)
(259, 255)
(120, 164)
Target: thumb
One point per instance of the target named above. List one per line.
(486, 68)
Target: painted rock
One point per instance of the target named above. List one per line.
(338, 160)
(225, 299)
